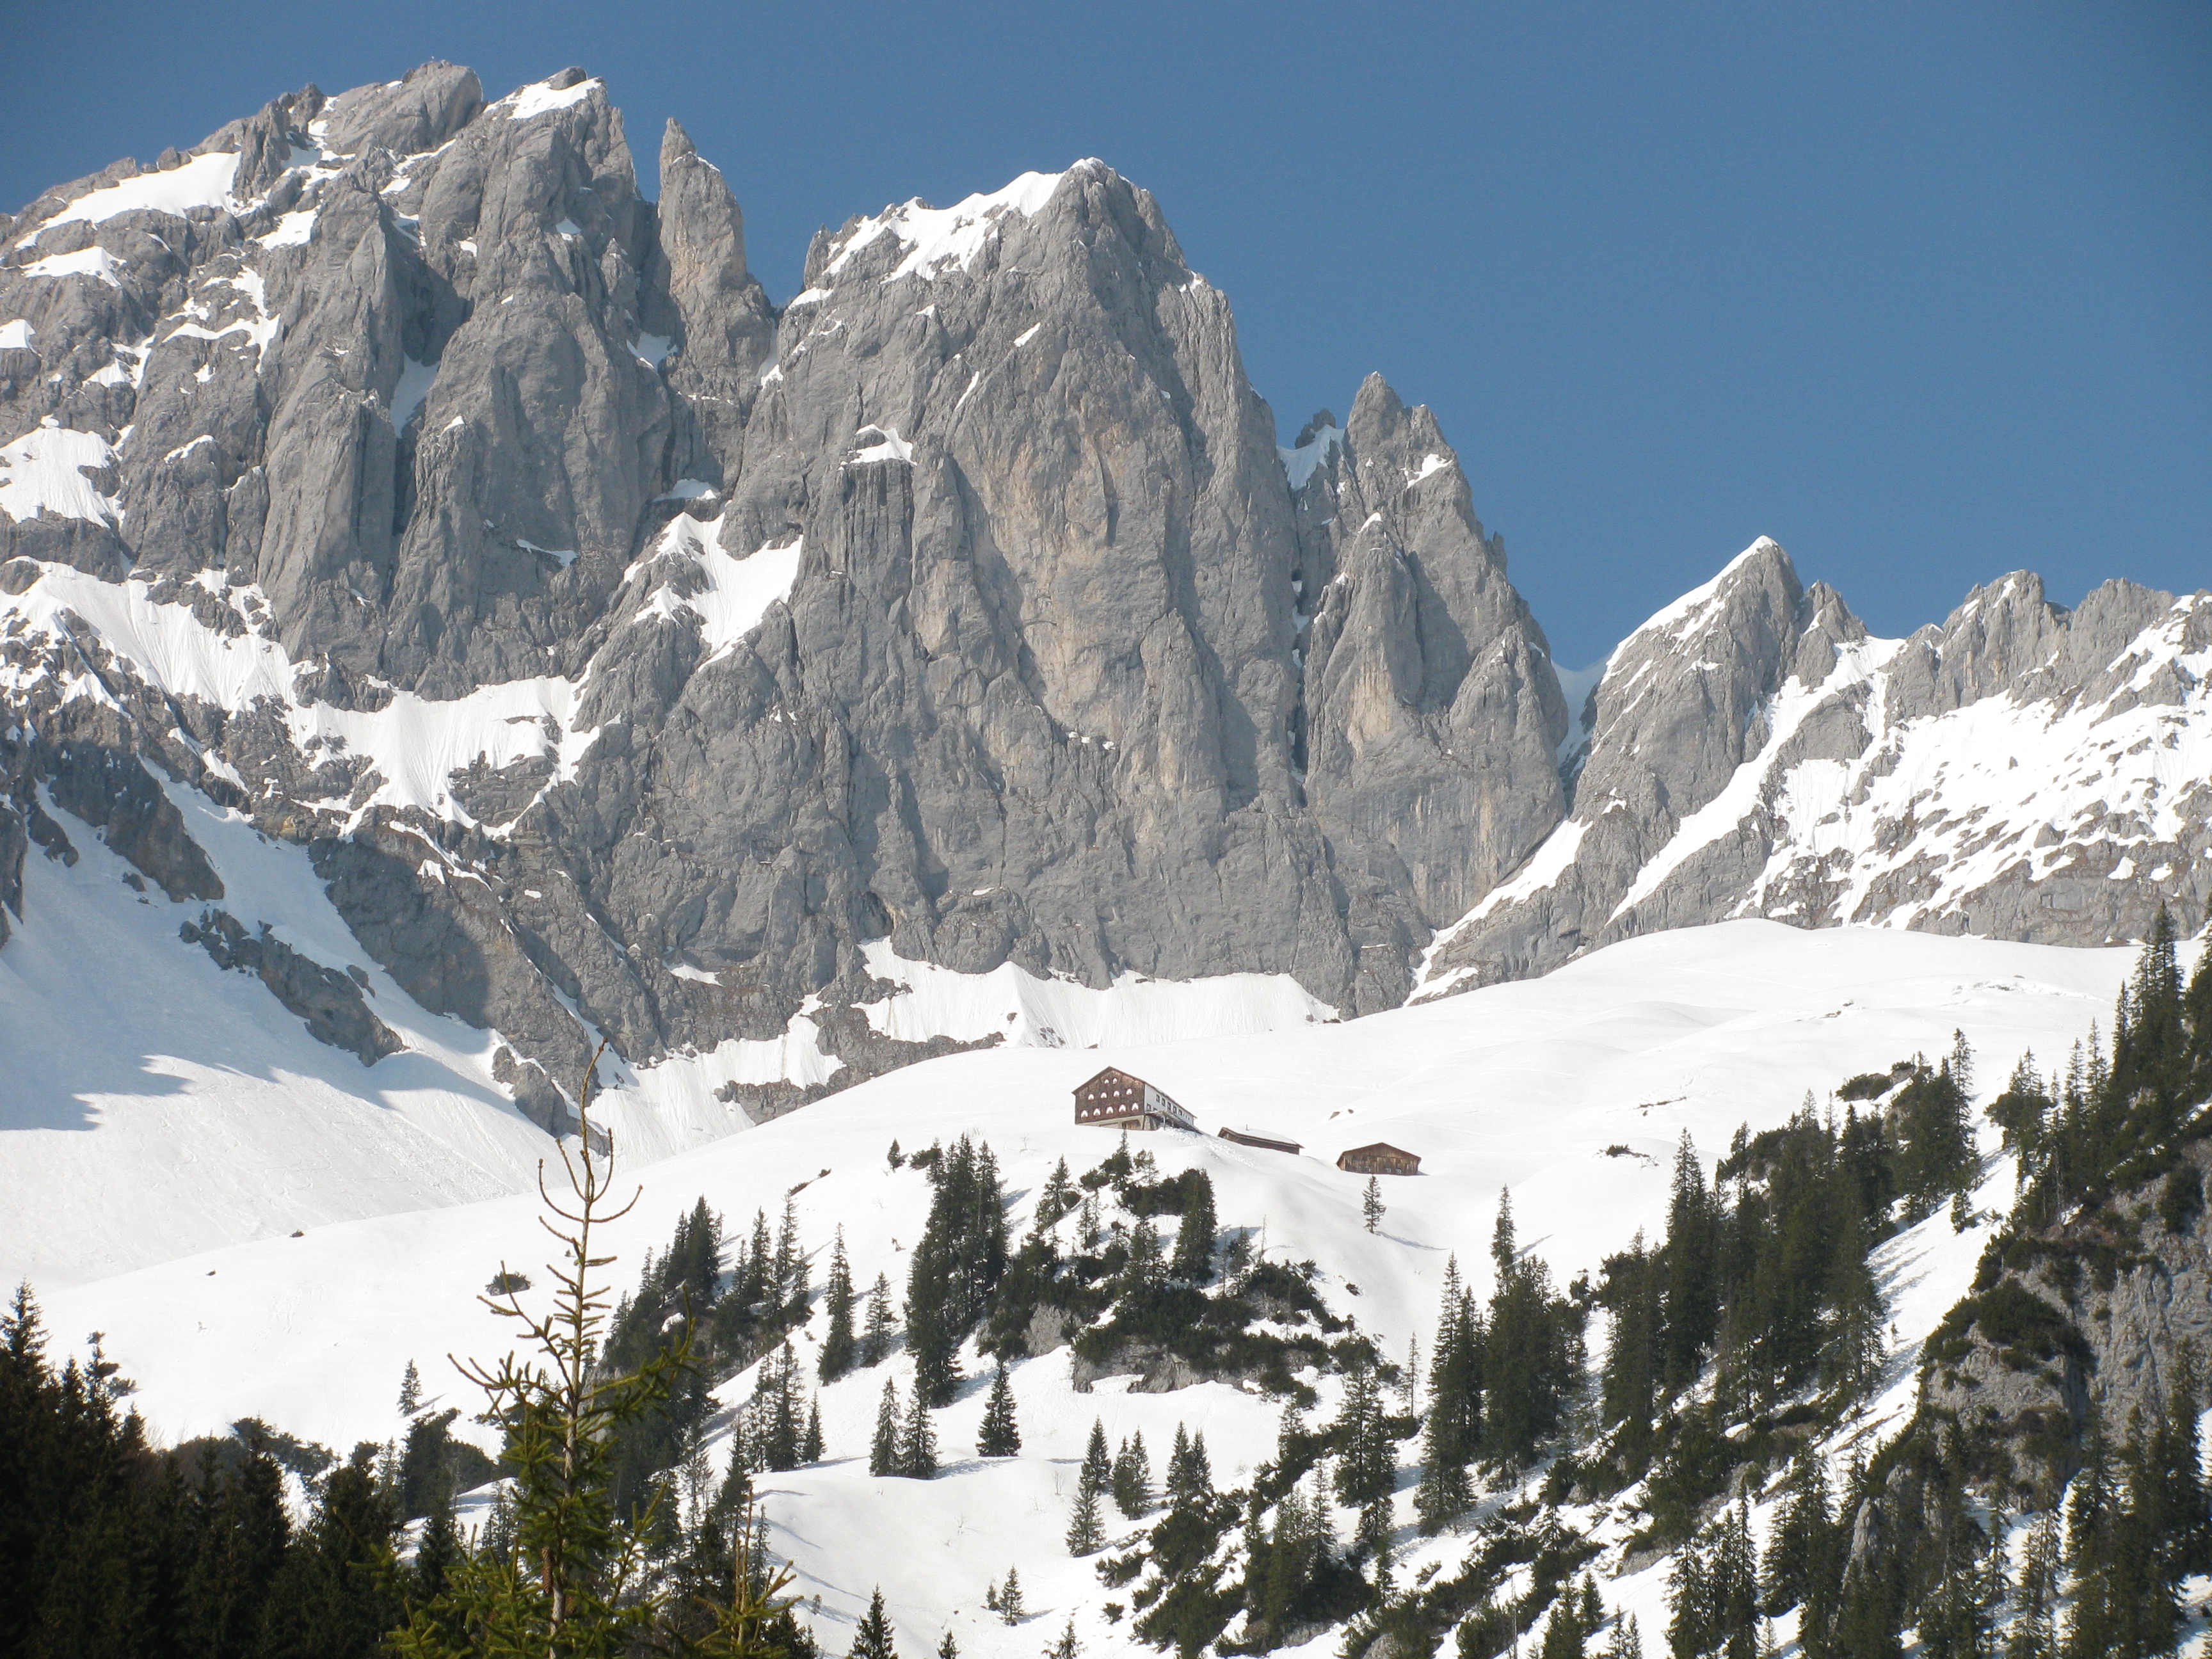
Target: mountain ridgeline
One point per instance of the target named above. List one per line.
(628, 652)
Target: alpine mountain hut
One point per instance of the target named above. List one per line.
(1115, 1100)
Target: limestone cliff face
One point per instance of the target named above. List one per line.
(2091, 1330)
(632, 657)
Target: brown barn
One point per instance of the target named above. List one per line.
(1245, 1139)
(1380, 1159)
(1115, 1100)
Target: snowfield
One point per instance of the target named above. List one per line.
(1571, 1091)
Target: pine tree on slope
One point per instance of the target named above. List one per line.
(1133, 1478)
(1193, 1262)
(1366, 1465)
(1452, 1434)
(917, 1451)
(880, 1341)
(1190, 1474)
(872, 1638)
(883, 1449)
(839, 1348)
(1000, 1437)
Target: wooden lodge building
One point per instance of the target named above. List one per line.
(1246, 1138)
(1115, 1100)
(1379, 1158)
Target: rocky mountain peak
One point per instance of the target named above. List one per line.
(628, 657)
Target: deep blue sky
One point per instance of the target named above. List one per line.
(1922, 291)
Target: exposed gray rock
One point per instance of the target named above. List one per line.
(2124, 1294)
(330, 1002)
(1432, 714)
(965, 604)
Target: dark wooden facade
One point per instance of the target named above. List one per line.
(1242, 1138)
(1379, 1158)
(1115, 1100)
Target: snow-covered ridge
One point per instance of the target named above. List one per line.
(199, 181)
(1856, 664)
(935, 237)
(540, 98)
(95, 261)
(1876, 798)
(1691, 610)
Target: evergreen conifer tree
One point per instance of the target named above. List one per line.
(1194, 1246)
(948, 1649)
(1085, 1531)
(1853, 1352)
(1065, 1645)
(1133, 1478)
(436, 1549)
(563, 1574)
(788, 1274)
(1145, 1267)
(1366, 1464)
(883, 1449)
(1453, 1432)
(1563, 1637)
(1096, 1474)
(1000, 1436)
(1010, 1599)
(917, 1450)
(1531, 1360)
(960, 1258)
(1190, 1479)
(872, 1636)
(1086, 1534)
(2035, 1594)
(2093, 1628)
(880, 1341)
(340, 1590)
(410, 1391)
(1371, 1205)
(756, 1282)
(1692, 1296)
(810, 1447)
(1692, 1627)
(2170, 1488)
(839, 1348)
(1058, 1196)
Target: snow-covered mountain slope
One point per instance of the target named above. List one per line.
(1570, 1090)
(156, 1103)
(2020, 772)
(631, 658)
